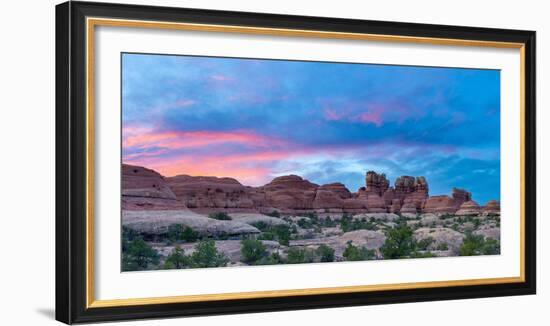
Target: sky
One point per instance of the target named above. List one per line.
(256, 119)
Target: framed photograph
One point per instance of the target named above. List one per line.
(212, 162)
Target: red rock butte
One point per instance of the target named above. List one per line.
(144, 188)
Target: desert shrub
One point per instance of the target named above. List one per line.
(138, 255)
(305, 223)
(313, 217)
(475, 245)
(272, 259)
(128, 235)
(423, 244)
(442, 246)
(399, 242)
(274, 214)
(446, 216)
(206, 255)
(220, 216)
(281, 232)
(267, 236)
(348, 223)
(327, 222)
(252, 250)
(262, 226)
(177, 259)
(190, 235)
(416, 254)
(325, 253)
(176, 232)
(345, 222)
(298, 256)
(353, 253)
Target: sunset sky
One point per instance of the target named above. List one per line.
(254, 120)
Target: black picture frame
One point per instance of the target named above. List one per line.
(71, 158)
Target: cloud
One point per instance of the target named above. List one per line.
(255, 119)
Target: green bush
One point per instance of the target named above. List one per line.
(190, 235)
(138, 255)
(305, 223)
(252, 251)
(274, 214)
(423, 244)
(262, 226)
(325, 253)
(128, 235)
(327, 222)
(176, 232)
(206, 255)
(399, 242)
(281, 233)
(442, 246)
(267, 236)
(272, 259)
(416, 254)
(475, 245)
(220, 216)
(348, 223)
(299, 256)
(177, 259)
(353, 253)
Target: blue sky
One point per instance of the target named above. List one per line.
(328, 122)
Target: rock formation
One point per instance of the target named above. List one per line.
(491, 208)
(143, 188)
(210, 192)
(468, 208)
(290, 192)
(146, 189)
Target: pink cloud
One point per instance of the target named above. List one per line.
(348, 114)
(373, 117)
(143, 138)
(221, 78)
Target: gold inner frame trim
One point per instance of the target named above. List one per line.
(92, 22)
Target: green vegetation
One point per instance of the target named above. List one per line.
(253, 251)
(325, 253)
(399, 242)
(205, 255)
(424, 243)
(223, 216)
(353, 253)
(348, 223)
(281, 233)
(177, 259)
(442, 246)
(416, 254)
(274, 214)
(475, 245)
(176, 232)
(137, 255)
(300, 255)
(446, 216)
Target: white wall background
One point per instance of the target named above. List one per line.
(27, 162)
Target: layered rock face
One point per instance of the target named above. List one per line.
(289, 192)
(143, 188)
(491, 208)
(146, 189)
(407, 196)
(446, 204)
(210, 192)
